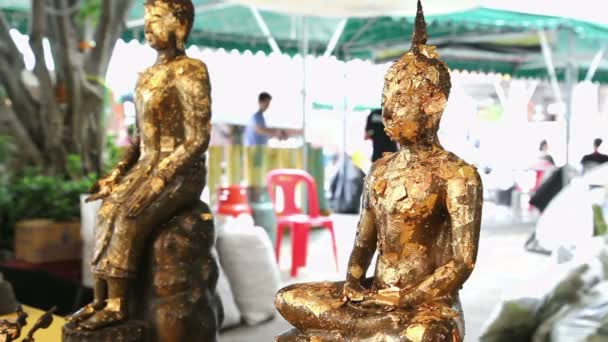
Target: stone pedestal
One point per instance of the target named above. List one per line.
(132, 331)
(392, 335)
(8, 301)
(295, 335)
(175, 292)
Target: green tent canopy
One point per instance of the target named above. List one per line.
(481, 39)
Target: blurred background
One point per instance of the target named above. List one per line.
(528, 108)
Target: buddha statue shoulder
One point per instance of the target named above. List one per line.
(421, 213)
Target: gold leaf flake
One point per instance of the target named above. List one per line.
(415, 333)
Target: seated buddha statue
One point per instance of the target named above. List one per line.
(161, 176)
(421, 211)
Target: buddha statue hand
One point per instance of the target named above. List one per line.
(354, 292)
(411, 297)
(384, 297)
(102, 188)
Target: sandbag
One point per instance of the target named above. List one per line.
(247, 257)
(346, 188)
(232, 314)
(585, 318)
(568, 219)
(568, 293)
(531, 315)
(512, 320)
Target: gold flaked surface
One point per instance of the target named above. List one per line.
(173, 111)
(421, 212)
(151, 198)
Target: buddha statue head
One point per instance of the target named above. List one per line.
(168, 23)
(416, 90)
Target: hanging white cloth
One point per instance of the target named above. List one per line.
(359, 8)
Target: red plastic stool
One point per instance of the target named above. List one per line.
(292, 217)
(232, 201)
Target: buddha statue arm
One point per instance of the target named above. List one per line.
(103, 187)
(193, 88)
(464, 201)
(362, 253)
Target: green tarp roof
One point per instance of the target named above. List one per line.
(481, 39)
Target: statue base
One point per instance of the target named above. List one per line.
(8, 301)
(131, 331)
(174, 298)
(395, 335)
(296, 335)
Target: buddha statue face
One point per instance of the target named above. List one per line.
(416, 90)
(168, 23)
(414, 98)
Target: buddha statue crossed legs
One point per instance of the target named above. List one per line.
(421, 212)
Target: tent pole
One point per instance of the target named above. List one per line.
(344, 125)
(335, 38)
(548, 55)
(500, 92)
(265, 30)
(303, 54)
(571, 78)
(595, 63)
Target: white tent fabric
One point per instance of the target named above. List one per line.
(586, 10)
(359, 8)
(237, 78)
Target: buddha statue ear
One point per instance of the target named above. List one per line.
(436, 104)
(180, 38)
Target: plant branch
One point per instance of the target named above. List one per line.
(49, 108)
(8, 49)
(72, 69)
(11, 63)
(23, 138)
(111, 24)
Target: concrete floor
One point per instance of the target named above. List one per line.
(502, 265)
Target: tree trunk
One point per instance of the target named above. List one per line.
(62, 116)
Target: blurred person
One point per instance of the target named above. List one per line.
(596, 158)
(544, 153)
(346, 186)
(256, 133)
(374, 131)
(227, 134)
(125, 138)
(542, 168)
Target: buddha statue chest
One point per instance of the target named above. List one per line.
(160, 111)
(407, 200)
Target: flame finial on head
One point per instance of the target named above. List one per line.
(420, 35)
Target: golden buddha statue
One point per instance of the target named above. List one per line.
(421, 211)
(161, 177)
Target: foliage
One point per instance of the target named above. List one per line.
(89, 11)
(599, 223)
(112, 154)
(5, 142)
(5, 197)
(67, 118)
(33, 194)
(40, 196)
